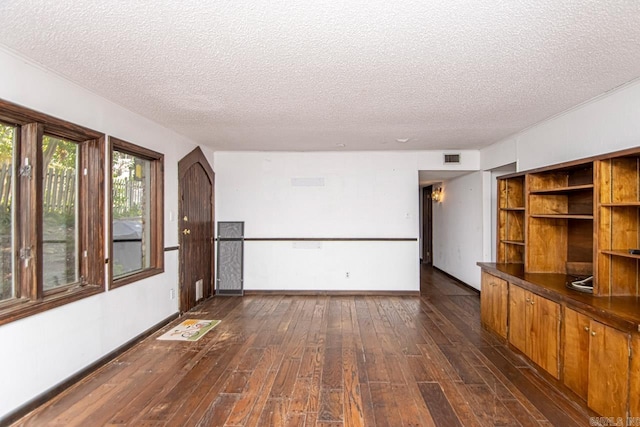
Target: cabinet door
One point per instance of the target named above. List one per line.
(545, 333)
(493, 304)
(518, 322)
(608, 370)
(634, 392)
(575, 367)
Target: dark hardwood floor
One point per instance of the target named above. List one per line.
(322, 361)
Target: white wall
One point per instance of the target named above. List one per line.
(356, 195)
(606, 124)
(603, 125)
(458, 233)
(49, 347)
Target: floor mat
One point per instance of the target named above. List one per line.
(189, 330)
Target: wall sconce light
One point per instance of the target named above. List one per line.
(437, 195)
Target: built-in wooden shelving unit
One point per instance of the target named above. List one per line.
(575, 219)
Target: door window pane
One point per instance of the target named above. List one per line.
(131, 214)
(7, 141)
(60, 213)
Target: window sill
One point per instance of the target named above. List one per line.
(135, 277)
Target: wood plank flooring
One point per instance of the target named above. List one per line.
(321, 361)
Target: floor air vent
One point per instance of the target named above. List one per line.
(230, 258)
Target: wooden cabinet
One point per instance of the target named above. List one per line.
(511, 219)
(596, 363)
(575, 366)
(634, 380)
(493, 304)
(608, 370)
(534, 327)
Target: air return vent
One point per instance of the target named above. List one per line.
(451, 159)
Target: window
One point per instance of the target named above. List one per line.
(7, 153)
(136, 212)
(51, 212)
(60, 213)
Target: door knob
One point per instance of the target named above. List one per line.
(186, 231)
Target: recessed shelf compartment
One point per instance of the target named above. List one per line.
(560, 220)
(618, 271)
(511, 218)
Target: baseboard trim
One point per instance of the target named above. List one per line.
(332, 293)
(466, 285)
(37, 401)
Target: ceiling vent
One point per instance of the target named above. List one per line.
(452, 159)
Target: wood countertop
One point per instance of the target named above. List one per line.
(619, 312)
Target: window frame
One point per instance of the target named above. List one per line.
(156, 212)
(29, 295)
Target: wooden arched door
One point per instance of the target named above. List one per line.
(196, 227)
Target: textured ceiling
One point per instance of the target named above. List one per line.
(311, 75)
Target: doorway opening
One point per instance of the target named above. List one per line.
(427, 225)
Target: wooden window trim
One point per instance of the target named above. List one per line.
(30, 297)
(17, 115)
(156, 212)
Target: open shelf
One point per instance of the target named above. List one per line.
(563, 190)
(620, 253)
(562, 216)
(513, 209)
(620, 204)
(513, 242)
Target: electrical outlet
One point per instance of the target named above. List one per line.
(347, 275)
(172, 294)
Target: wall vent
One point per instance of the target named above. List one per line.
(451, 159)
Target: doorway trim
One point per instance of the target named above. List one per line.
(427, 225)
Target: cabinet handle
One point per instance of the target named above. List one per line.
(532, 302)
(528, 299)
(593, 333)
(586, 328)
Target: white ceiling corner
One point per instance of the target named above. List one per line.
(300, 75)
